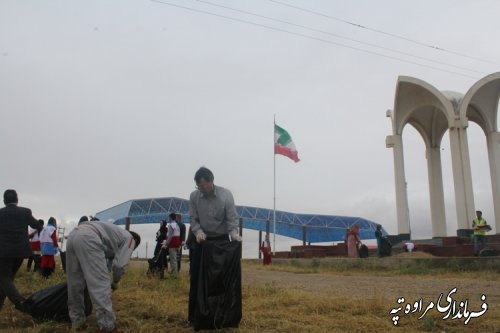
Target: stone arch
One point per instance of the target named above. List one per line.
(432, 113)
(480, 105)
(413, 94)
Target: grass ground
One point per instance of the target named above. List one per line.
(145, 304)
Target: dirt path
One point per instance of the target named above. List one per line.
(359, 286)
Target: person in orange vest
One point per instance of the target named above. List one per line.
(480, 228)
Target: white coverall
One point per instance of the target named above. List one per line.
(88, 247)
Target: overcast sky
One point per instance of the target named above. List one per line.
(106, 101)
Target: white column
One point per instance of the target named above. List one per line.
(396, 143)
(464, 198)
(436, 193)
(493, 141)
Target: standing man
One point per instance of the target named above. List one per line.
(14, 246)
(480, 227)
(213, 217)
(182, 227)
(89, 247)
(172, 243)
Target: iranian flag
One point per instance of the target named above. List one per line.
(283, 144)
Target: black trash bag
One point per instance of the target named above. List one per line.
(157, 263)
(52, 303)
(219, 286)
(385, 247)
(63, 260)
(363, 251)
(488, 252)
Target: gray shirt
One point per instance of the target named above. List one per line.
(213, 214)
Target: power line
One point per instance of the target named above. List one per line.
(311, 37)
(340, 36)
(385, 33)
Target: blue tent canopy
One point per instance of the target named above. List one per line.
(317, 228)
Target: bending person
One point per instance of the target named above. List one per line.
(89, 247)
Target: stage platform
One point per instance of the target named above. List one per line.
(453, 246)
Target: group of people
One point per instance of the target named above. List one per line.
(170, 239)
(44, 245)
(355, 248)
(96, 248)
(90, 245)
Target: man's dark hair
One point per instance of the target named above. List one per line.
(204, 173)
(84, 218)
(172, 216)
(136, 238)
(10, 196)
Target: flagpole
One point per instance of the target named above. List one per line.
(274, 187)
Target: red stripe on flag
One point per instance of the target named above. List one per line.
(278, 149)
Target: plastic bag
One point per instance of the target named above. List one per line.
(219, 286)
(52, 303)
(363, 251)
(385, 247)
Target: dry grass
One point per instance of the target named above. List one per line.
(404, 264)
(145, 304)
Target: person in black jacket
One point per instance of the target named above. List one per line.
(14, 246)
(161, 236)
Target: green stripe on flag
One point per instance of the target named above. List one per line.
(283, 138)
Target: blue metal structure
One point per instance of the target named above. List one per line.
(317, 228)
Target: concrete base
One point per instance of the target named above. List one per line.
(453, 246)
(464, 232)
(395, 239)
